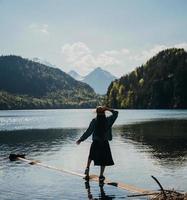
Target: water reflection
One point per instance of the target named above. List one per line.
(33, 141)
(164, 140)
(102, 195)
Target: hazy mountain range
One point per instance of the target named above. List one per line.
(75, 75)
(98, 79)
(27, 84)
(160, 83)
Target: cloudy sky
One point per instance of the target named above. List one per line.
(117, 35)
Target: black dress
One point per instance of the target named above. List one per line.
(100, 129)
(100, 153)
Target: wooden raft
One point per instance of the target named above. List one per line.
(95, 178)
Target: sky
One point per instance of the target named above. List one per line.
(80, 35)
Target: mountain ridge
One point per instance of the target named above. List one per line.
(99, 79)
(41, 85)
(160, 83)
(75, 75)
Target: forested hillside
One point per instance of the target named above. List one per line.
(27, 84)
(160, 83)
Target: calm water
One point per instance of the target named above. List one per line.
(145, 143)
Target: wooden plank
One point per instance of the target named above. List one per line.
(95, 178)
(123, 186)
(35, 162)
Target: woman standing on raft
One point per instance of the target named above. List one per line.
(100, 129)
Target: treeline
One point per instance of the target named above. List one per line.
(25, 84)
(9, 101)
(160, 83)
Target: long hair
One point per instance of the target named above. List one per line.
(101, 126)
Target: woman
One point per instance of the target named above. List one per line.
(100, 129)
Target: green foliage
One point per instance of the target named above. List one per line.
(141, 82)
(25, 84)
(160, 83)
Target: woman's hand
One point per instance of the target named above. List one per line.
(78, 142)
(105, 108)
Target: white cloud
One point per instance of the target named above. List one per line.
(105, 60)
(181, 45)
(39, 28)
(80, 57)
(83, 59)
(125, 51)
(75, 51)
(146, 54)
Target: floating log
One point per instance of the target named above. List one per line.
(153, 195)
(123, 186)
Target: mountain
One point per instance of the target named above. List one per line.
(27, 84)
(161, 83)
(99, 80)
(44, 62)
(75, 75)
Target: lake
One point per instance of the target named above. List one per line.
(145, 143)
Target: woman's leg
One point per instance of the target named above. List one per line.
(101, 177)
(102, 169)
(88, 163)
(87, 168)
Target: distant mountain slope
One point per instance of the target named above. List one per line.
(160, 83)
(99, 80)
(75, 75)
(42, 86)
(44, 62)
